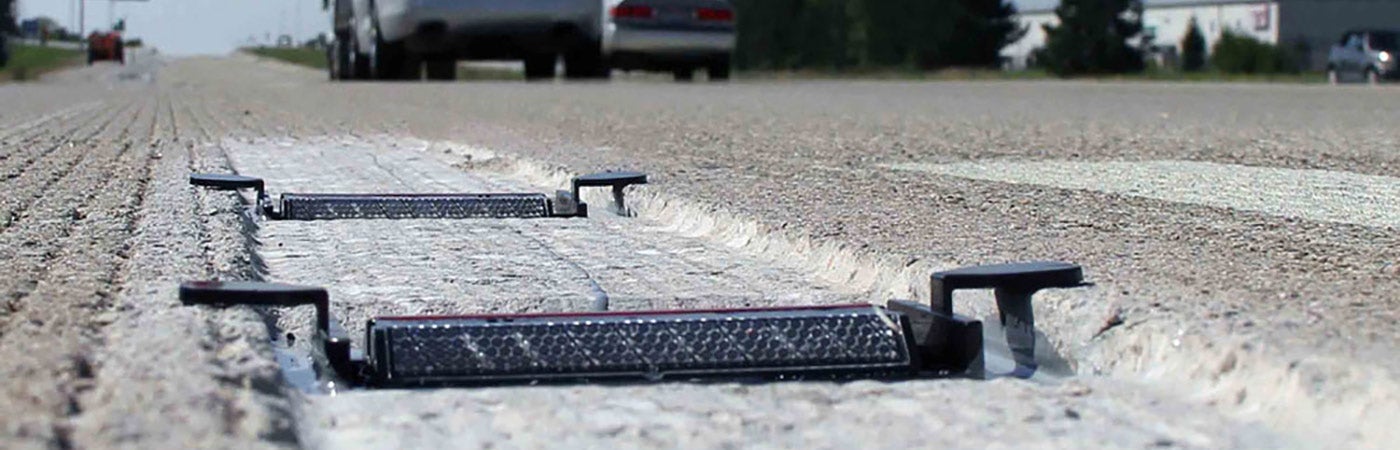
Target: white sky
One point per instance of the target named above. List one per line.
(193, 26)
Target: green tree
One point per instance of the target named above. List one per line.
(1092, 38)
(981, 29)
(1238, 53)
(782, 34)
(1193, 48)
(7, 17)
(838, 34)
(928, 33)
(888, 34)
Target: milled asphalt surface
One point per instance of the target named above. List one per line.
(1214, 323)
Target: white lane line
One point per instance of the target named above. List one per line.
(1319, 195)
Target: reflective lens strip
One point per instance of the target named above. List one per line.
(409, 206)
(633, 11)
(712, 14)
(652, 346)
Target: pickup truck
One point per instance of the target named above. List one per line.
(408, 39)
(1365, 55)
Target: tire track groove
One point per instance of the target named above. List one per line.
(148, 380)
(44, 142)
(26, 132)
(70, 273)
(30, 245)
(238, 259)
(198, 371)
(46, 136)
(56, 163)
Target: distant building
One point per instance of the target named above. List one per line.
(30, 28)
(1307, 27)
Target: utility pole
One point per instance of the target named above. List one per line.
(296, 30)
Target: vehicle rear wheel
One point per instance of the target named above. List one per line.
(539, 66)
(584, 62)
(338, 60)
(719, 69)
(684, 74)
(358, 62)
(442, 69)
(390, 61)
(331, 66)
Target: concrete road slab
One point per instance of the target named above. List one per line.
(1319, 195)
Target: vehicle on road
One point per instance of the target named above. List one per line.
(677, 36)
(106, 47)
(1364, 55)
(407, 39)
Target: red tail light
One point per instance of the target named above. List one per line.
(718, 15)
(633, 12)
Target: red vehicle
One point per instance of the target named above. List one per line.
(106, 47)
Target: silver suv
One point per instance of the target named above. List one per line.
(677, 36)
(1364, 55)
(405, 39)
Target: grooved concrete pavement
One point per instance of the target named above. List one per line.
(1212, 325)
